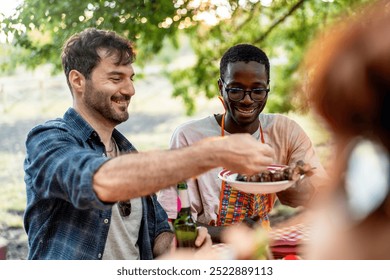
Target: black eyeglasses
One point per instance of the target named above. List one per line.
(237, 94)
(124, 208)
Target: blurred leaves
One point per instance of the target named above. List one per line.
(282, 29)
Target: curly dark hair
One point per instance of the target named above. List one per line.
(80, 51)
(246, 53)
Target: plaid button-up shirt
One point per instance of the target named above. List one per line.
(64, 218)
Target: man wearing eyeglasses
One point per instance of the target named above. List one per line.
(244, 87)
(90, 194)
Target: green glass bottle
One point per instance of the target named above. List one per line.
(184, 226)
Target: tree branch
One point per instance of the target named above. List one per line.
(279, 21)
(248, 19)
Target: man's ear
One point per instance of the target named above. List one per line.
(220, 96)
(220, 87)
(77, 81)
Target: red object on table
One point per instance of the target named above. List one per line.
(291, 257)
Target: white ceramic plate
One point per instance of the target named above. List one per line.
(255, 187)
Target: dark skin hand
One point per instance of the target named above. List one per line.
(296, 196)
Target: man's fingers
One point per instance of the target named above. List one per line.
(203, 237)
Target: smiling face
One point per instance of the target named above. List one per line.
(242, 116)
(108, 92)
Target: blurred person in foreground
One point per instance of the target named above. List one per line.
(90, 194)
(350, 90)
(244, 86)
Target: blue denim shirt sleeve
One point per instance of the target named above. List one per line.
(58, 165)
(157, 223)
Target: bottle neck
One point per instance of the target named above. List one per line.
(184, 198)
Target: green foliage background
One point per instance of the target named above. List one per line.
(282, 29)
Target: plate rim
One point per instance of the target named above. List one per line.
(253, 183)
(285, 184)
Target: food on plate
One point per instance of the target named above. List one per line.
(286, 173)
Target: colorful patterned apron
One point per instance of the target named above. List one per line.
(235, 205)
